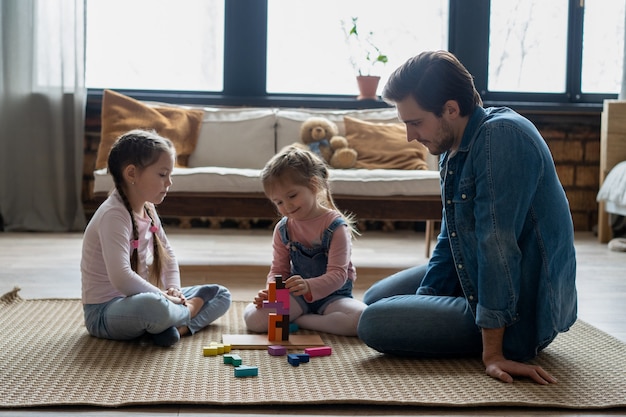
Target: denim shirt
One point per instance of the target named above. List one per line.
(507, 238)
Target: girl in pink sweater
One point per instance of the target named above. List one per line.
(130, 276)
(311, 248)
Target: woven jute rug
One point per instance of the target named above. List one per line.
(48, 359)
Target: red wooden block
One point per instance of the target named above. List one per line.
(318, 351)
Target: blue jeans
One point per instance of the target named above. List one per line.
(127, 318)
(400, 322)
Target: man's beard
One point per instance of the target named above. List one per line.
(446, 141)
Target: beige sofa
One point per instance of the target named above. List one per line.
(220, 176)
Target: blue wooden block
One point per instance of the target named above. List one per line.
(244, 370)
(303, 357)
(293, 359)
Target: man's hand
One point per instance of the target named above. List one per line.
(497, 366)
(504, 370)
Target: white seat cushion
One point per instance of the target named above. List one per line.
(362, 182)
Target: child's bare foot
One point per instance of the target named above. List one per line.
(183, 330)
(194, 305)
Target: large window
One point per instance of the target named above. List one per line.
(155, 44)
(268, 52)
(312, 55)
(603, 46)
(525, 39)
(528, 46)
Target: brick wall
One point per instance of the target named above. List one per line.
(574, 140)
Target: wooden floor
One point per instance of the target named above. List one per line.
(47, 266)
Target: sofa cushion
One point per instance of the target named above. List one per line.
(359, 182)
(384, 145)
(288, 121)
(235, 138)
(210, 179)
(384, 182)
(121, 113)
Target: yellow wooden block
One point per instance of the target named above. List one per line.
(209, 350)
(227, 347)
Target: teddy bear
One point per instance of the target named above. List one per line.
(321, 136)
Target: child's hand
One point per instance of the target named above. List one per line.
(176, 293)
(297, 285)
(176, 300)
(260, 297)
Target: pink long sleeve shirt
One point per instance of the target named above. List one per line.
(107, 245)
(309, 233)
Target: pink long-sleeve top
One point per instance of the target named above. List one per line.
(309, 233)
(107, 245)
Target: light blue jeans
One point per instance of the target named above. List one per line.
(400, 322)
(127, 318)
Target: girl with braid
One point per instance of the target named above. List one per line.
(311, 247)
(130, 276)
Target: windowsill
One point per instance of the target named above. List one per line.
(208, 99)
(549, 108)
(334, 102)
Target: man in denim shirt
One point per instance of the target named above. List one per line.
(501, 281)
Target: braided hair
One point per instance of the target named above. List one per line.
(141, 148)
(303, 167)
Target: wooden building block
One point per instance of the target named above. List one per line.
(277, 350)
(303, 357)
(319, 351)
(232, 359)
(244, 370)
(209, 350)
(293, 359)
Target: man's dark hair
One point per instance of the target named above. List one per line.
(432, 78)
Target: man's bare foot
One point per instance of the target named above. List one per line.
(194, 305)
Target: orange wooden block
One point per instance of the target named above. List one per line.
(271, 292)
(272, 319)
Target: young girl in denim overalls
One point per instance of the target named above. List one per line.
(311, 248)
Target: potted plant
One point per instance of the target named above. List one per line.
(364, 55)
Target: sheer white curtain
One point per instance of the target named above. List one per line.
(42, 102)
(622, 93)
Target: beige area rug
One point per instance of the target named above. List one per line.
(48, 359)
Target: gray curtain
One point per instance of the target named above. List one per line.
(42, 112)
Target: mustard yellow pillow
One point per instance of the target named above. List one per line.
(121, 113)
(384, 145)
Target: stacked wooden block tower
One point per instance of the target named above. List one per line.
(278, 300)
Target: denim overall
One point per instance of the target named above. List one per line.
(312, 262)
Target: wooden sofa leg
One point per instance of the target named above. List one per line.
(430, 231)
(185, 222)
(215, 222)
